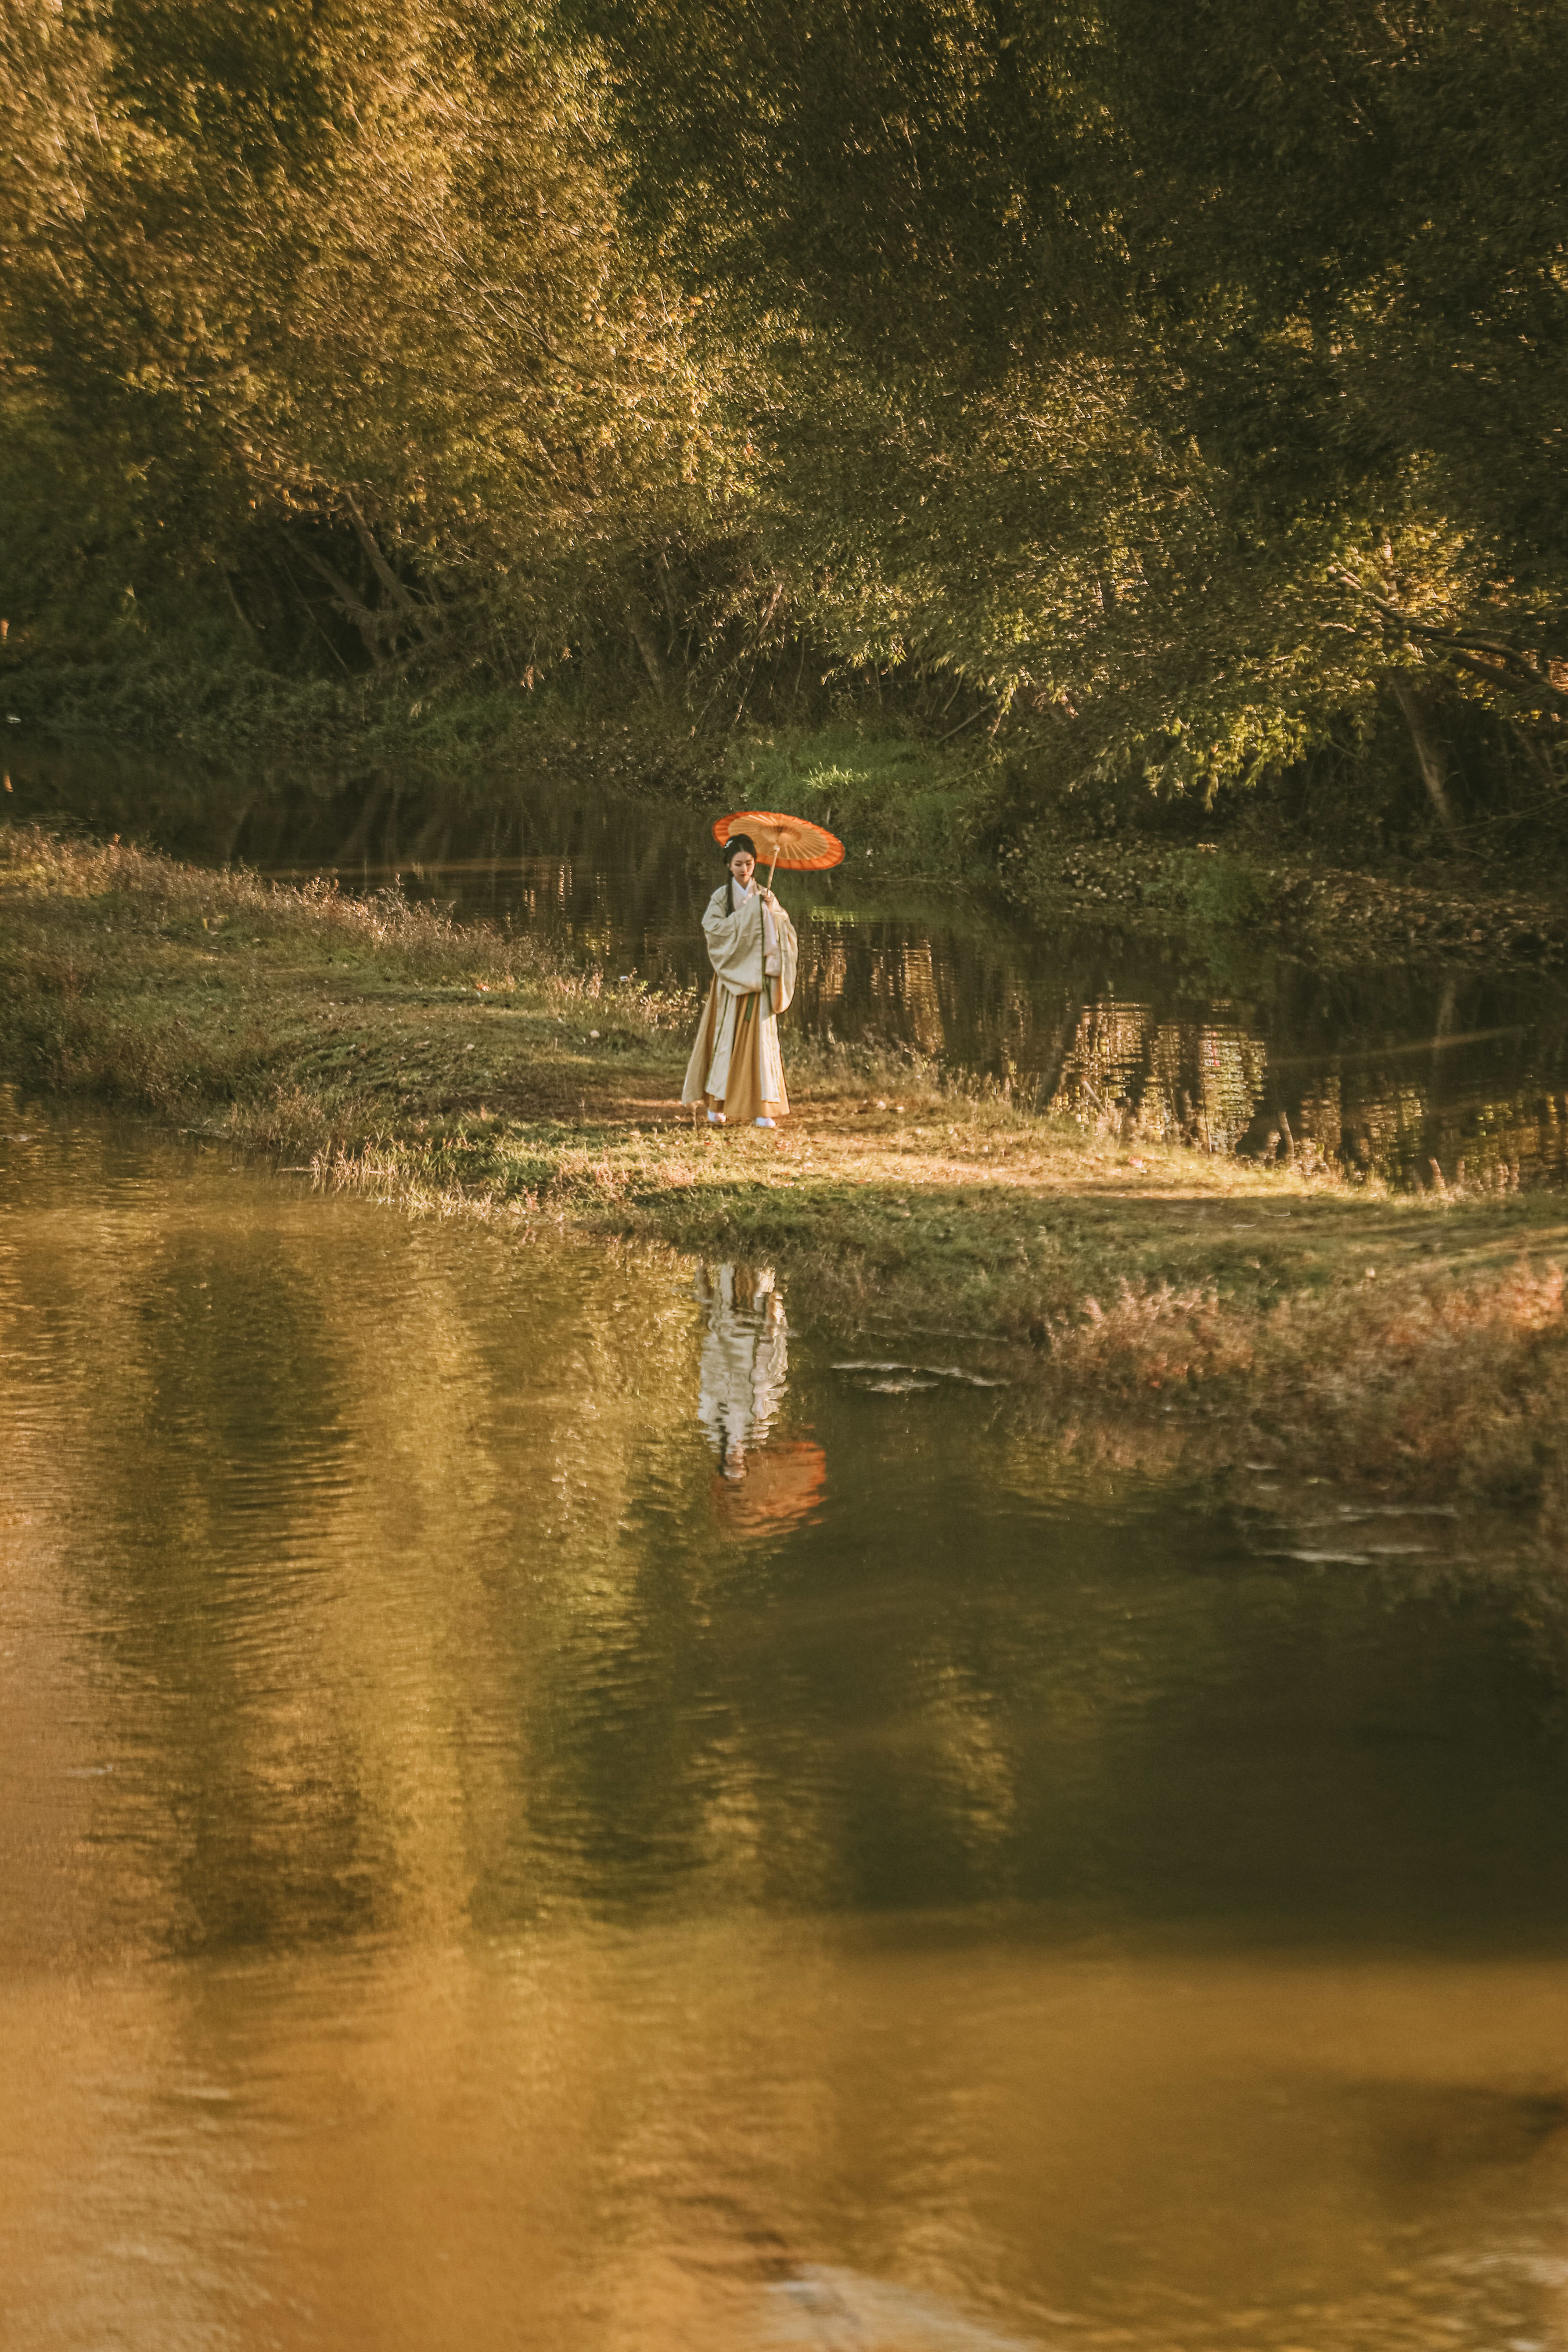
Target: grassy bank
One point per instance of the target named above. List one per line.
(1412, 1341)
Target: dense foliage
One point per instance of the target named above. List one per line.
(1186, 386)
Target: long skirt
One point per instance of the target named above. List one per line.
(735, 1063)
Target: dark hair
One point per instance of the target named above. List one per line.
(736, 841)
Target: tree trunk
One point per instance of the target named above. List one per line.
(419, 609)
(647, 645)
(667, 589)
(372, 626)
(1431, 753)
(240, 614)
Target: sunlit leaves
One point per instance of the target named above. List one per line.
(1110, 355)
(363, 260)
(1109, 336)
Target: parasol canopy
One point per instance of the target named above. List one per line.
(791, 842)
(783, 1486)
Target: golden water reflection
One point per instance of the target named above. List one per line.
(725, 2136)
(477, 1876)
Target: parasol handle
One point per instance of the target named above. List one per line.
(774, 863)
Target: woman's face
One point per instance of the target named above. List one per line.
(743, 865)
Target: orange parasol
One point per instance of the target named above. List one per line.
(783, 1485)
(791, 842)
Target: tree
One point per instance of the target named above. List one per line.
(353, 267)
(1195, 372)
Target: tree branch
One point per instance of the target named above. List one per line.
(1464, 646)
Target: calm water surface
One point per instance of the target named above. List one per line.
(1213, 1037)
(536, 1811)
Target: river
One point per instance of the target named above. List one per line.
(1225, 1039)
(537, 1809)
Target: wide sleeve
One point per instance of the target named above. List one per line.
(789, 956)
(735, 942)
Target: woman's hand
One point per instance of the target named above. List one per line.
(765, 895)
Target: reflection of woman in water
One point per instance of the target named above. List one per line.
(735, 1066)
(746, 1360)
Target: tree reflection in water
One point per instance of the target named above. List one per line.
(477, 1876)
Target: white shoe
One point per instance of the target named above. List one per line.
(715, 1118)
(764, 1122)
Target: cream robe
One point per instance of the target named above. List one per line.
(736, 1059)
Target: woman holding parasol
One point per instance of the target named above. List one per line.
(735, 1066)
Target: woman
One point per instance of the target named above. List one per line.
(735, 1068)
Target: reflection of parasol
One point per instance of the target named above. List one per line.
(791, 842)
(783, 1485)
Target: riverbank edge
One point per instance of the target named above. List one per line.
(912, 809)
(1152, 1298)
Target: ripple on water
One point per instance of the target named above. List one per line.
(537, 1808)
